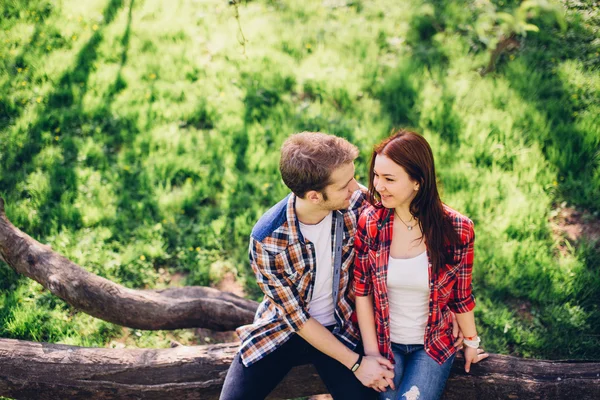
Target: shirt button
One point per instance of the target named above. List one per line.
(430, 314)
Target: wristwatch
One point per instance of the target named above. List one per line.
(357, 363)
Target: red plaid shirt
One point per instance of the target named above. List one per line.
(450, 289)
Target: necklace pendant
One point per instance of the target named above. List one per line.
(409, 228)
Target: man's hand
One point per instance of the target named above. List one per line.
(456, 332)
(473, 356)
(374, 371)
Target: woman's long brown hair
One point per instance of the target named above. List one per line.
(412, 152)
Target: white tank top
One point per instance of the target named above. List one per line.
(320, 306)
(408, 294)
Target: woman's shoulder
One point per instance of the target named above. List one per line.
(462, 224)
(373, 212)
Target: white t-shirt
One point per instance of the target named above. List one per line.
(408, 293)
(321, 303)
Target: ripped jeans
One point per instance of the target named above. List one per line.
(417, 376)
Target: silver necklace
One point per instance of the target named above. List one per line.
(409, 227)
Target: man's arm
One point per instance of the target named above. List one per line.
(372, 368)
(285, 296)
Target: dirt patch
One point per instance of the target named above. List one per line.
(230, 284)
(522, 308)
(575, 226)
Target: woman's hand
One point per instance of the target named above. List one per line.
(381, 385)
(473, 355)
(373, 370)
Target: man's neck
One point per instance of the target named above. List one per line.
(309, 213)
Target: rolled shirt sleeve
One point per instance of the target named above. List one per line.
(462, 293)
(277, 286)
(363, 285)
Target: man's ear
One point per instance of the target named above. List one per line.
(313, 196)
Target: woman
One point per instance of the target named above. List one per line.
(413, 266)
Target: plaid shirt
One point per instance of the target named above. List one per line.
(449, 291)
(284, 264)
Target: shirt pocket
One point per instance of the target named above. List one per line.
(292, 262)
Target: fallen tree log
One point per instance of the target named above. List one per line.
(30, 370)
(174, 308)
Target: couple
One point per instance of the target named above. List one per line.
(333, 259)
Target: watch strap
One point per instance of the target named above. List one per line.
(357, 363)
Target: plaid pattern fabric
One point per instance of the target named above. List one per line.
(450, 290)
(284, 265)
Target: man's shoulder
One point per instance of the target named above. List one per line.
(274, 218)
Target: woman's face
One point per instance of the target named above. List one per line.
(393, 184)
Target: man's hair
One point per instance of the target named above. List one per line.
(309, 158)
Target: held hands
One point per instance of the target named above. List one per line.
(376, 372)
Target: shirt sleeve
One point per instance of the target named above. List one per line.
(462, 293)
(277, 286)
(363, 286)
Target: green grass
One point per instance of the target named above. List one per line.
(140, 139)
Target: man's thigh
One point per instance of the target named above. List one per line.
(341, 383)
(259, 379)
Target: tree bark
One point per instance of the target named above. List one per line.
(40, 371)
(173, 308)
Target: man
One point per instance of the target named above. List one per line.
(301, 252)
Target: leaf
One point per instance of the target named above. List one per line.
(531, 28)
(506, 17)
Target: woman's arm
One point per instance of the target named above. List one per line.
(366, 323)
(466, 321)
(463, 302)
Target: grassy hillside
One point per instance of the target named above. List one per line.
(140, 139)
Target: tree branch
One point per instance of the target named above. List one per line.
(40, 371)
(173, 308)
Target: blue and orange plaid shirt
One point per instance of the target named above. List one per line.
(449, 291)
(284, 264)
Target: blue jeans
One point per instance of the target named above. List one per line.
(417, 376)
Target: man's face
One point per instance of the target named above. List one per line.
(338, 193)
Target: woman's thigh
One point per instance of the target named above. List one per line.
(424, 378)
(392, 394)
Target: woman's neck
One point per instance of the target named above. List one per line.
(403, 213)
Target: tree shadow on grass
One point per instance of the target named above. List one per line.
(573, 148)
(61, 116)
